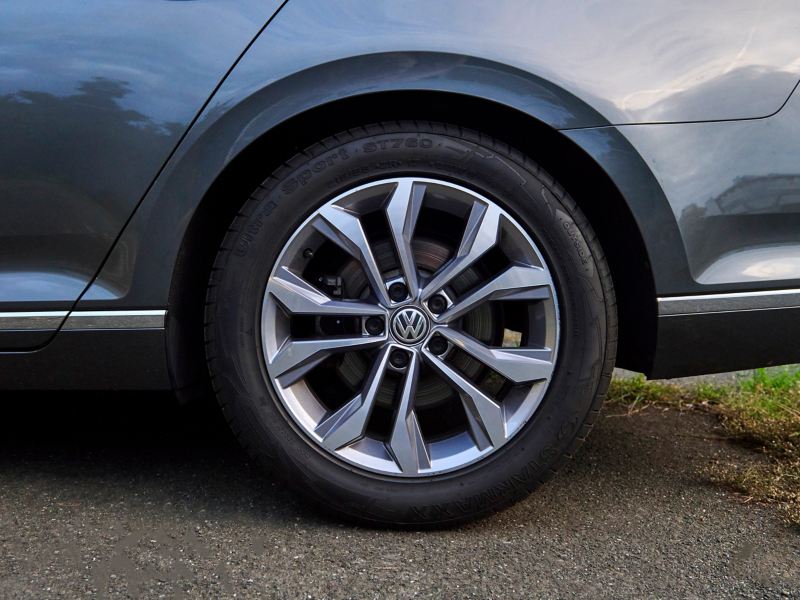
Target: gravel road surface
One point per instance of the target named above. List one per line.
(125, 495)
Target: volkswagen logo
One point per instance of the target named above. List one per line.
(409, 325)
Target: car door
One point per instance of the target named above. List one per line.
(94, 96)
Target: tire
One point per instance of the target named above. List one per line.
(263, 419)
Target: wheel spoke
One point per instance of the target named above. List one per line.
(517, 364)
(349, 423)
(299, 297)
(379, 230)
(481, 233)
(345, 230)
(295, 358)
(518, 282)
(485, 416)
(402, 211)
(406, 442)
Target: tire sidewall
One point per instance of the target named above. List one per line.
(283, 203)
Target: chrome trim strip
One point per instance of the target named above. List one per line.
(82, 319)
(115, 319)
(26, 321)
(731, 302)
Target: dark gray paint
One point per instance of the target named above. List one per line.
(94, 96)
(100, 359)
(734, 190)
(717, 342)
(633, 61)
(139, 267)
(312, 54)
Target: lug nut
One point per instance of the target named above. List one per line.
(438, 345)
(374, 325)
(437, 304)
(398, 359)
(398, 291)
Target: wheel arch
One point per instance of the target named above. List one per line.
(583, 178)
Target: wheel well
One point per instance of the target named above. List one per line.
(585, 181)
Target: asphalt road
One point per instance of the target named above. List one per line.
(124, 495)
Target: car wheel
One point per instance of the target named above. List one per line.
(412, 323)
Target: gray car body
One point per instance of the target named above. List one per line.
(122, 122)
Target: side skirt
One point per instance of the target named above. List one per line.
(714, 333)
(94, 350)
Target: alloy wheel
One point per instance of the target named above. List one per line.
(410, 327)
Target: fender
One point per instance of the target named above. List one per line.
(139, 271)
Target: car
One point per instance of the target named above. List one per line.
(404, 244)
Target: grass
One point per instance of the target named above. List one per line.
(761, 411)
